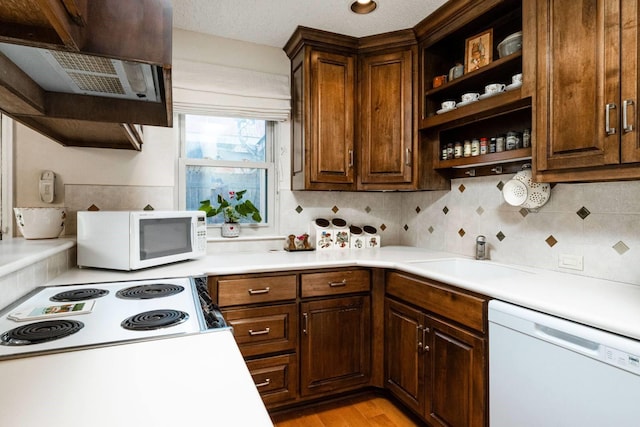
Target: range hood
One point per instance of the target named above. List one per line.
(87, 72)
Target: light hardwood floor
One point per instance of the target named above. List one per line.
(357, 411)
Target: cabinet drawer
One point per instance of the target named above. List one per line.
(450, 303)
(275, 377)
(240, 291)
(263, 330)
(335, 283)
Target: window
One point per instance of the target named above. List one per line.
(220, 155)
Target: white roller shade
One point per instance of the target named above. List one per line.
(203, 88)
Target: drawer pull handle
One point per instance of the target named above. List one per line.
(338, 284)
(305, 319)
(265, 383)
(259, 291)
(253, 333)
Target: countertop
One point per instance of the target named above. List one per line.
(208, 383)
(604, 304)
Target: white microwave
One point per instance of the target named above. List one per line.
(131, 240)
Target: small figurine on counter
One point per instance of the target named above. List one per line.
(291, 242)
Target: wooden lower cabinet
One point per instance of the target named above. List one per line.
(335, 350)
(435, 365)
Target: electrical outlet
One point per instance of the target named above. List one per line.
(573, 262)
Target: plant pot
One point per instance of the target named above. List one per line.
(230, 229)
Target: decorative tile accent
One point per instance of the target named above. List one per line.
(299, 209)
(406, 227)
(524, 212)
(462, 188)
(148, 208)
(500, 185)
(583, 212)
(367, 209)
(383, 227)
(479, 211)
(551, 241)
(461, 232)
(620, 247)
(418, 209)
(93, 208)
(445, 210)
(500, 236)
(335, 209)
(431, 229)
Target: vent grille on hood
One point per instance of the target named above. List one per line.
(80, 62)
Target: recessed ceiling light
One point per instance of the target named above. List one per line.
(363, 6)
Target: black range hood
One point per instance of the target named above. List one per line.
(87, 72)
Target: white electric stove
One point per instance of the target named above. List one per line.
(67, 318)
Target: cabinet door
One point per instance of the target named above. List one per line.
(335, 345)
(404, 357)
(578, 76)
(630, 89)
(386, 120)
(456, 386)
(332, 106)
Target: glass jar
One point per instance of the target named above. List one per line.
(457, 150)
(466, 150)
(475, 147)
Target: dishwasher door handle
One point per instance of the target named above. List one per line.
(567, 340)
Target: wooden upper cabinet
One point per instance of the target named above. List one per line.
(587, 90)
(386, 123)
(332, 110)
(336, 79)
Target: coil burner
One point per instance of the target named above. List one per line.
(154, 319)
(40, 332)
(79, 295)
(149, 291)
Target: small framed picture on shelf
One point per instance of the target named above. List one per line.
(478, 51)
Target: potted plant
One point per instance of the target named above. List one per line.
(232, 209)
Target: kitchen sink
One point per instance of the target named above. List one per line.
(469, 269)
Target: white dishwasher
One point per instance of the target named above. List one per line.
(549, 372)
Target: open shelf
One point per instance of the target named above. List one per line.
(521, 154)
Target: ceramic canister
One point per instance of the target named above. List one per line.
(340, 233)
(322, 234)
(372, 237)
(357, 240)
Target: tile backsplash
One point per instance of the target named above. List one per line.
(113, 197)
(599, 222)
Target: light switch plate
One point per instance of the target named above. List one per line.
(573, 262)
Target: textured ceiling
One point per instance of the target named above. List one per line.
(271, 22)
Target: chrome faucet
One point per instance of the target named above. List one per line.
(481, 247)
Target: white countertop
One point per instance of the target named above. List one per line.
(604, 304)
(208, 383)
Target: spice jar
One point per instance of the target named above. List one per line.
(526, 138)
(500, 143)
(492, 145)
(457, 150)
(510, 142)
(450, 151)
(475, 147)
(483, 146)
(466, 150)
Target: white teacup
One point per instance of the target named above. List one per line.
(494, 88)
(448, 105)
(516, 79)
(471, 96)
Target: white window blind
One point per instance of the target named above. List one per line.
(202, 88)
